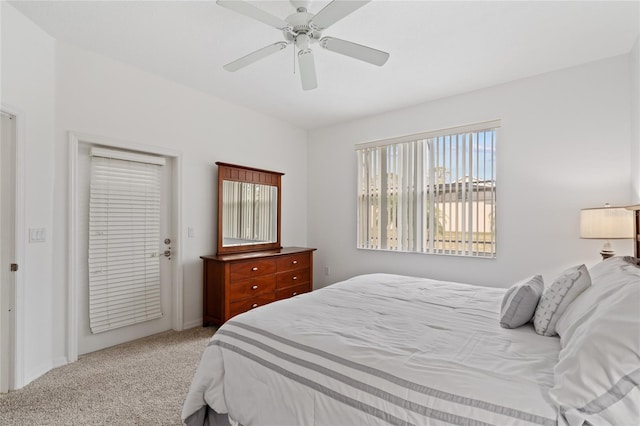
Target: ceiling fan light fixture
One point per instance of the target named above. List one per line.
(303, 41)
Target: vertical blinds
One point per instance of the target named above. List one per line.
(124, 239)
(430, 193)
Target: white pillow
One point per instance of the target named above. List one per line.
(606, 277)
(597, 376)
(557, 297)
(520, 301)
(608, 268)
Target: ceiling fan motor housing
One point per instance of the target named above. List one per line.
(299, 23)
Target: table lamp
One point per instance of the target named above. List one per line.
(606, 223)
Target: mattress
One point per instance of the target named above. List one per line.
(377, 349)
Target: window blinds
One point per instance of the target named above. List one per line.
(124, 239)
(430, 193)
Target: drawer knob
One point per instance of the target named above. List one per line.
(295, 293)
(255, 305)
(294, 278)
(295, 262)
(255, 268)
(254, 287)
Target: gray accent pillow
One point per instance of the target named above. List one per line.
(557, 298)
(520, 301)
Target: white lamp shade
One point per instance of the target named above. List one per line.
(606, 223)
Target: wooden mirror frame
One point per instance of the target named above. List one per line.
(233, 172)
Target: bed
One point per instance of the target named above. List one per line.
(390, 349)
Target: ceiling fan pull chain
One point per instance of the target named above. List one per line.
(294, 59)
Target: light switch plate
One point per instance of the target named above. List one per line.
(37, 235)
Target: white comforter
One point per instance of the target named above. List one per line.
(378, 349)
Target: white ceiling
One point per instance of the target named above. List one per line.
(437, 49)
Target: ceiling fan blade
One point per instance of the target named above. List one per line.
(335, 11)
(355, 50)
(255, 56)
(251, 11)
(307, 69)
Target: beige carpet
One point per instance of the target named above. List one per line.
(138, 383)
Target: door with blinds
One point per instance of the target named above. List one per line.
(127, 291)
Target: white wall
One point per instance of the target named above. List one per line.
(634, 58)
(103, 97)
(60, 89)
(564, 145)
(27, 75)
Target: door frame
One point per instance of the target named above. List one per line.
(75, 138)
(13, 329)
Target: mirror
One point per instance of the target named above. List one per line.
(249, 213)
(248, 209)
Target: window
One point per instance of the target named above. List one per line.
(430, 193)
(124, 235)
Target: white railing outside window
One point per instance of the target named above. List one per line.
(124, 239)
(430, 193)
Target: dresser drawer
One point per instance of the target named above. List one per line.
(241, 306)
(291, 278)
(251, 287)
(251, 268)
(293, 261)
(286, 293)
(237, 282)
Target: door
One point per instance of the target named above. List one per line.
(7, 246)
(88, 340)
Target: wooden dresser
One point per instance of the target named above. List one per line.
(236, 283)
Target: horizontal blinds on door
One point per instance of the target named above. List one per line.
(124, 235)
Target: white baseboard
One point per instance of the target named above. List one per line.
(43, 369)
(192, 324)
(40, 370)
(60, 361)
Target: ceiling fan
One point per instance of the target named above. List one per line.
(302, 29)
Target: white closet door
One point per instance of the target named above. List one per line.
(7, 246)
